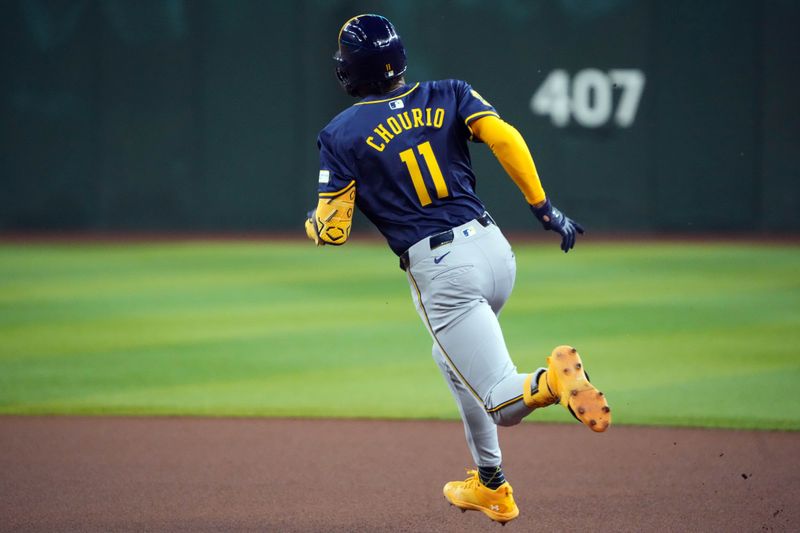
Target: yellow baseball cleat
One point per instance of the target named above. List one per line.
(565, 382)
(471, 494)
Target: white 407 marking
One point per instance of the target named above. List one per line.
(589, 98)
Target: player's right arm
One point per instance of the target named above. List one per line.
(513, 154)
(511, 151)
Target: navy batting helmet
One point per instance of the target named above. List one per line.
(370, 53)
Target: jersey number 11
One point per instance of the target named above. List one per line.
(425, 150)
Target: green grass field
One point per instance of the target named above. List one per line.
(678, 334)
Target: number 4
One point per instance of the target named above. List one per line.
(425, 150)
(552, 98)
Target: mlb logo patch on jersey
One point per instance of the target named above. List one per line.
(324, 176)
(469, 231)
(396, 104)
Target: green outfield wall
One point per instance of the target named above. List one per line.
(677, 116)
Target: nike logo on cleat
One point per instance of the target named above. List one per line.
(438, 260)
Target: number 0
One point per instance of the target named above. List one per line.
(425, 150)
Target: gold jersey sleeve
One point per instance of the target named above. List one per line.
(511, 151)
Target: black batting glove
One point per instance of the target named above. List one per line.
(554, 220)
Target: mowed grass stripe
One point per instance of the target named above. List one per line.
(694, 334)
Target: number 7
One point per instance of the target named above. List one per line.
(632, 83)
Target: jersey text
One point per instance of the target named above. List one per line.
(413, 118)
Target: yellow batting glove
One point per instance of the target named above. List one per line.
(311, 229)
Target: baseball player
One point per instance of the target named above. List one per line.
(400, 153)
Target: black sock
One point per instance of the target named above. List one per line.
(491, 476)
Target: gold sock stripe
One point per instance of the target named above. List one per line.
(527, 394)
(497, 470)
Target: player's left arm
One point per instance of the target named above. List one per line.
(512, 152)
(331, 221)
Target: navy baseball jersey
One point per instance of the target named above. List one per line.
(407, 153)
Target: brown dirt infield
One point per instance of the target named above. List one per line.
(196, 474)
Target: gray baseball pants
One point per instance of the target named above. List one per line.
(459, 289)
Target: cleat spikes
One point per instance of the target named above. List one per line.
(569, 383)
